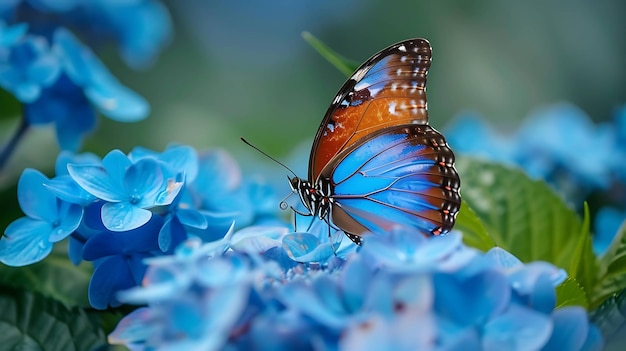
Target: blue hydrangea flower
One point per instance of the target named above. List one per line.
(558, 143)
(130, 189)
(140, 29)
(226, 190)
(455, 298)
(27, 65)
(60, 80)
(84, 83)
(470, 134)
(212, 297)
(563, 136)
(118, 260)
(48, 220)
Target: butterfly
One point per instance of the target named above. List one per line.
(375, 162)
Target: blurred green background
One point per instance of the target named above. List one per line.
(241, 68)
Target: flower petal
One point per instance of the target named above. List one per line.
(192, 218)
(96, 181)
(25, 242)
(143, 180)
(135, 327)
(66, 189)
(71, 215)
(570, 329)
(305, 247)
(111, 275)
(117, 101)
(35, 200)
(122, 216)
(517, 329)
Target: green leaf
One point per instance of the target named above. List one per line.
(474, 232)
(343, 64)
(610, 318)
(55, 277)
(612, 268)
(526, 218)
(570, 293)
(584, 265)
(30, 321)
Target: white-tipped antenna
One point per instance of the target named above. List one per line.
(268, 156)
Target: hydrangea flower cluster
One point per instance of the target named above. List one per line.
(124, 208)
(402, 291)
(58, 79)
(561, 145)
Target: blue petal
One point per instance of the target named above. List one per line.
(257, 239)
(471, 301)
(145, 29)
(607, 223)
(181, 158)
(171, 234)
(503, 259)
(25, 242)
(517, 329)
(54, 5)
(143, 239)
(10, 35)
(96, 181)
(523, 279)
(415, 292)
(70, 217)
(35, 200)
(192, 218)
(594, 341)
(111, 275)
(116, 163)
(355, 279)
(79, 63)
(217, 273)
(543, 296)
(75, 251)
(72, 129)
(400, 333)
(305, 247)
(278, 255)
(66, 189)
(117, 101)
(135, 327)
(217, 226)
(142, 181)
(66, 157)
(325, 309)
(160, 284)
(123, 216)
(570, 329)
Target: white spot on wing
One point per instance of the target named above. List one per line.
(392, 107)
(402, 48)
(358, 75)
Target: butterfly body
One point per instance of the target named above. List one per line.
(375, 161)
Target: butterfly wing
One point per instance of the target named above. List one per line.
(387, 90)
(398, 175)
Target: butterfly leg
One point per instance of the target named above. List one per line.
(295, 218)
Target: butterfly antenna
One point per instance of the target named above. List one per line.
(268, 156)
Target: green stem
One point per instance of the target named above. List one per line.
(9, 147)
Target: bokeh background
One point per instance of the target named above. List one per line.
(241, 68)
